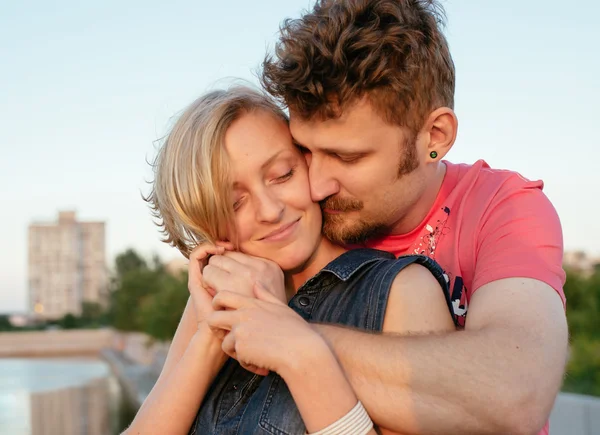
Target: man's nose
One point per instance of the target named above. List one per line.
(322, 183)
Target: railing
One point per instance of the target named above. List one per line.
(574, 414)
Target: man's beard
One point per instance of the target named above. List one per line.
(338, 231)
(357, 233)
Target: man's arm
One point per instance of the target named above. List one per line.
(500, 375)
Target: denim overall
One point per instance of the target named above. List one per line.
(353, 291)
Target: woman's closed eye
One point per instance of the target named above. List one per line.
(276, 180)
(238, 203)
(285, 176)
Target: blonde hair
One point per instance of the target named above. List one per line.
(191, 192)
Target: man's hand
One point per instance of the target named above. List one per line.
(238, 272)
(263, 333)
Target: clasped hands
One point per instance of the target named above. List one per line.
(242, 300)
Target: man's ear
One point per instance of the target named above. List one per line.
(441, 126)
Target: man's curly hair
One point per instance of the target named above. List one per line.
(391, 51)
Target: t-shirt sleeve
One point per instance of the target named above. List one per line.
(520, 236)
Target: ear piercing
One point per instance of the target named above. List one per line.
(433, 154)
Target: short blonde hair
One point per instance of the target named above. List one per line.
(191, 192)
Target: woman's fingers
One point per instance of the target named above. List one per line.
(242, 258)
(262, 294)
(198, 259)
(200, 252)
(227, 245)
(226, 263)
(215, 277)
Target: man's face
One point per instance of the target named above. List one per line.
(365, 173)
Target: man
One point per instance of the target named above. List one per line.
(370, 87)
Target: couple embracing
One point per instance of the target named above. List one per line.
(344, 277)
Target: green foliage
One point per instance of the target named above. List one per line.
(92, 315)
(145, 297)
(583, 374)
(160, 313)
(69, 321)
(5, 324)
(129, 261)
(583, 315)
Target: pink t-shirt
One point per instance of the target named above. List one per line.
(486, 225)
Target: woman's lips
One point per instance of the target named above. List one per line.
(282, 232)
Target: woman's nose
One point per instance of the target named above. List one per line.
(270, 208)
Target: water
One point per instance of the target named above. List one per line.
(69, 396)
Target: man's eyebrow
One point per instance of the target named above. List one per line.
(333, 151)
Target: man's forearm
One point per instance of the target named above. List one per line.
(462, 382)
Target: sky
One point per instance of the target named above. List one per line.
(87, 89)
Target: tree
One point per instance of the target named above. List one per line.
(69, 321)
(145, 297)
(582, 304)
(5, 324)
(160, 313)
(583, 316)
(129, 261)
(92, 314)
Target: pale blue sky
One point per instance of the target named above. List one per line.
(86, 87)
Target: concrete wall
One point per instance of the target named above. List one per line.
(55, 343)
(141, 349)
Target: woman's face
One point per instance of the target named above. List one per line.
(275, 217)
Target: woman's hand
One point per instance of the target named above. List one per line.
(264, 334)
(239, 272)
(200, 293)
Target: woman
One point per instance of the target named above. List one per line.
(229, 171)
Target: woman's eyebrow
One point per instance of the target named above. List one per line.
(271, 159)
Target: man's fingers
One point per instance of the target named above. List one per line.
(226, 300)
(254, 369)
(219, 333)
(222, 320)
(228, 345)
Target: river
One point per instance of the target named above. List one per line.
(66, 396)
